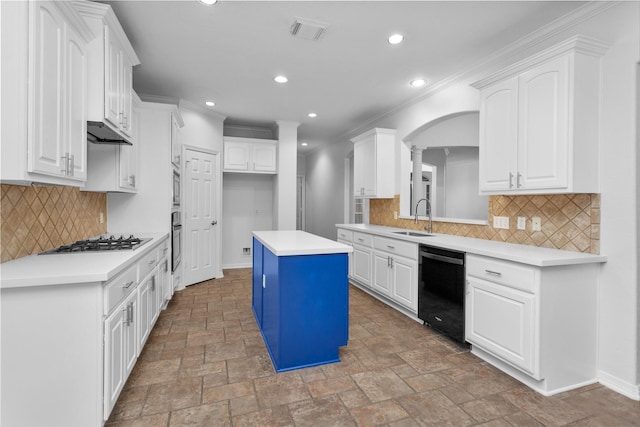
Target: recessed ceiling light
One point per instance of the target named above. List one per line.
(418, 82)
(312, 115)
(208, 2)
(210, 103)
(280, 79)
(304, 144)
(395, 38)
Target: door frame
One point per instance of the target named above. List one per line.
(218, 200)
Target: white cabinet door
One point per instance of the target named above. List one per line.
(382, 273)
(145, 316)
(405, 282)
(114, 364)
(236, 156)
(126, 96)
(57, 97)
(543, 126)
(130, 335)
(112, 88)
(75, 110)
(264, 157)
(47, 144)
(364, 167)
(362, 264)
(498, 136)
(501, 320)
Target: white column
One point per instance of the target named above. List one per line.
(284, 206)
(416, 157)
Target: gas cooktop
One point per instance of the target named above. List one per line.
(102, 243)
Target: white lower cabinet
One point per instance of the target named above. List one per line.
(502, 321)
(396, 271)
(121, 349)
(538, 324)
(362, 258)
(385, 266)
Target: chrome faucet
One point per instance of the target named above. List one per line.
(428, 227)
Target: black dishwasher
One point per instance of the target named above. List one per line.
(441, 286)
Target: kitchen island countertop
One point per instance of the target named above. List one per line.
(526, 254)
(71, 268)
(296, 242)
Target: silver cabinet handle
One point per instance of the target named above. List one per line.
(65, 164)
(153, 261)
(153, 283)
(493, 273)
(72, 167)
(518, 183)
(391, 247)
(510, 180)
(127, 285)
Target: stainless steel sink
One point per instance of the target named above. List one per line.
(412, 233)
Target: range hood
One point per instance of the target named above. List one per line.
(100, 133)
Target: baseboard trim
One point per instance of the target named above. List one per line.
(235, 266)
(632, 391)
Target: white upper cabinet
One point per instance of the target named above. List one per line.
(111, 63)
(114, 168)
(539, 123)
(46, 71)
(249, 155)
(374, 164)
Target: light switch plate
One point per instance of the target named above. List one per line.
(522, 223)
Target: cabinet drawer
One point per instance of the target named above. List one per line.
(148, 263)
(362, 239)
(117, 289)
(398, 247)
(509, 274)
(346, 235)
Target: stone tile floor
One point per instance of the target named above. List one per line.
(205, 364)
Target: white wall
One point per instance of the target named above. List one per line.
(325, 184)
(619, 299)
(202, 128)
(247, 205)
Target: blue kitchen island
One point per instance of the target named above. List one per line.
(300, 297)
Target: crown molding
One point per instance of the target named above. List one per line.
(104, 12)
(76, 20)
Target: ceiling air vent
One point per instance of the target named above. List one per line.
(308, 29)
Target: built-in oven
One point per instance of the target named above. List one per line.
(176, 188)
(441, 284)
(176, 240)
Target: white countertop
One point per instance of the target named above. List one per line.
(85, 267)
(532, 255)
(295, 242)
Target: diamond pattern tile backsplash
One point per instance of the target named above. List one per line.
(34, 219)
(569, 221)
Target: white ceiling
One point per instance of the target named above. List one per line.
(230, 52)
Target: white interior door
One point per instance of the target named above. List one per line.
(201, 216)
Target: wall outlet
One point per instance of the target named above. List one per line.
(101, 217)
(536, 224)
(501, 222)
(522, 223)
(395, 214)
(246, 251)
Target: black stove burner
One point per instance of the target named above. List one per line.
(102, 243)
